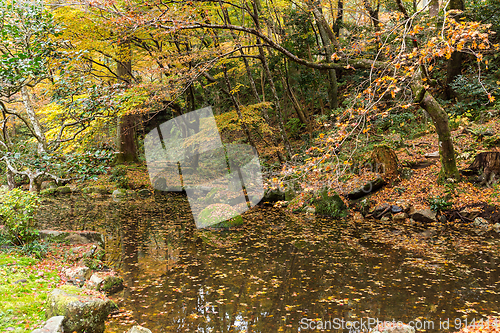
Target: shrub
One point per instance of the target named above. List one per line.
(17, 210)
(119, 176)
(439, 203)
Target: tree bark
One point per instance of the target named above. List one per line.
(127, 149)
(440, 119)
(253, 87)
(37, 129)
(277, 103)
(328, 38)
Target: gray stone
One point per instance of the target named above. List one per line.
(53, 325)
(481, 225)
(366, 189)
(77, 274)
(273, 195)
(82, 313)
(138, 329)
(144, 192)
(63, 190)
(119, 193)
(107, 283)
(423, 215)
(311, 210)
(385, 219)
(76, 239)
(429, 233)
(434, 154)
(496, 227)
(96, 189)
(396, 209)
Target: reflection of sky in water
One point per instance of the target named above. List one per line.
(277, 270)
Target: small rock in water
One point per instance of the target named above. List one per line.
(399, 216)
(138, 329)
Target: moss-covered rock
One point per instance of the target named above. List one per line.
(100, 189)
(105, 282)
(330, 204)
(63, 189)
(48, 192)
(82, 312)
(112, 284)
(219, 216)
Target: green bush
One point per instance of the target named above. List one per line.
(17, 210)
(439, 203)
(119, 176)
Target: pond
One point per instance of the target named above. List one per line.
(279, 273)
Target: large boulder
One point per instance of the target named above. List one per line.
(369, 187)
(53, 325)
(78, 274)
(273, 195)
(219, 216)
(105, 282)
(330, 204)
(82, 312)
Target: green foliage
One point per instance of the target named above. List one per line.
(27, 39)
(35, 248)
(439, 203)
(295, 127)
(119, 176)
(473, 95)
(330, 205)
(89, 164)
(17, 210)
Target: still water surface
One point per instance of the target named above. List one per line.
(273, 275)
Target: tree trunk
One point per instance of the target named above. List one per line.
(386, 161)
(126, 139)
(440, 119)
(30, 111)
(434, 8)
(487, 165)
(11, 180)
(277, 103)
(238, 110)
(328, 38)
(340, 18)
(127, 149)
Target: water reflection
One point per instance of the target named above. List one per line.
(270, 275)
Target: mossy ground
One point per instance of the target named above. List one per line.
(24, 285)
